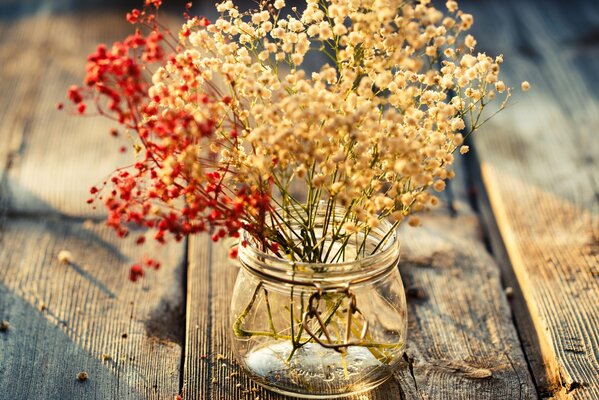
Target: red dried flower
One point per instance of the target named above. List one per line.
(170, 170)
(133, 16)
(135, 272)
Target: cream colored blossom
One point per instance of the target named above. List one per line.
(452, 6)
(439, 186)
(375, 128)
(414, 221)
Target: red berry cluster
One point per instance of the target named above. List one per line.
(173, 188)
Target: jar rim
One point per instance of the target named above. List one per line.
(281, 270)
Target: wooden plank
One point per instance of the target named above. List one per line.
(462, 343)
(86, 315)
(540, 169)
(52, 157)
(64, 318)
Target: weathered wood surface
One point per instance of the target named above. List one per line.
(462, 343)
(85, 315)
(460, 323)
(539, 162)
(64, 318)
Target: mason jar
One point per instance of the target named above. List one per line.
(320, 330)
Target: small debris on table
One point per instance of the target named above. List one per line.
(106, 356)
(124, 336)
(82, 376)
(509, 292)
(65, 257)
(4, 326)
(415, 292)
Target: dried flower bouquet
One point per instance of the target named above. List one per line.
(227, 124)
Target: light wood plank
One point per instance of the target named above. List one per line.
(86, 315)
(462, 343)
(540, 169)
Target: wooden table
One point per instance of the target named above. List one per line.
(502, 280)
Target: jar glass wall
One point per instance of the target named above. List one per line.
(320, 330)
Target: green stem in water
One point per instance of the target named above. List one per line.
(377, 349)
(237, 329)
(296, 340)
(270, 321)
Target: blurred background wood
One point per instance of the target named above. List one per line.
(539, 163)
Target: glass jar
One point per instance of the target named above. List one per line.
(315, 330)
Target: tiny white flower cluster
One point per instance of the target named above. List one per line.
(372, 130)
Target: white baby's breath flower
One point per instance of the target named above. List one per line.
(414, 221)
(457, 124)
(350, 227)
(452, 6)
(336, 188)
(324, 31)
(375, 127)
(470, 42)
(500, 86)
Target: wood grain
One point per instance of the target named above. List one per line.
(540, 169)
(86, 315)
(462, 343)
(462, 340)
